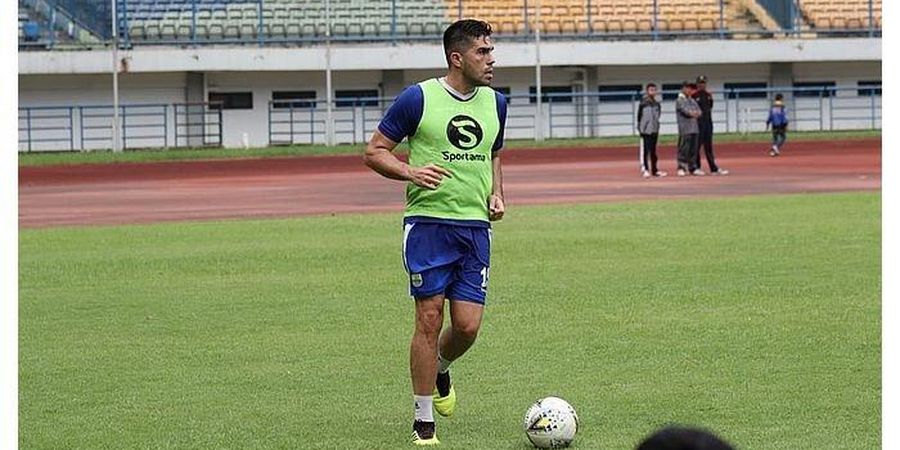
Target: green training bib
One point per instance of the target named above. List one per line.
(457, 135)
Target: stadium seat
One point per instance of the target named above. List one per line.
(629, 24)
(433, 28)
(275, 30)
(152, 30)
(167, 31)
(216, 31)
(614, 25)
(136, 31)
(691, 24)
(416, 29)
(183, 30)
(369, 29)
(248, 30)
(308, 29)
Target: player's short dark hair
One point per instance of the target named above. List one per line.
(460, 34)
(779, 97)
(650, 85)
(683, 438)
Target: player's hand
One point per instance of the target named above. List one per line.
(496, 208)
(428, 177)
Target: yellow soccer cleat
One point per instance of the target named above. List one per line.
(445, 405)
(423, 434)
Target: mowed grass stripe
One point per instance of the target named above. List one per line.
(758, 317)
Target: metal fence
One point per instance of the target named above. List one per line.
(295, 122)
(46, 128)
(88, 127)
(563, 115)
(142, 126)
(265, 22)
(580, 115)
(198, 124)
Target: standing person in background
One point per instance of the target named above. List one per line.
(687, 111)
(705, 123)
(779, 122)
(648, 126)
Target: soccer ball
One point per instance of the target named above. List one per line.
(551, 422)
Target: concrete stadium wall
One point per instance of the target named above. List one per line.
(610, 118)
(251, 58)
(96, 90)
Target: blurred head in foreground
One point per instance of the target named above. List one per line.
(683, 438)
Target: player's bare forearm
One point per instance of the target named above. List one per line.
(497, 188)
(496, 205)
(379, 157)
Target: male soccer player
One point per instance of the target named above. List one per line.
(454, 125)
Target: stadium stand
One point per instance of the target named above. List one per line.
(598, 16)
(250, 21)
(166, 20)
(689, 15)
(178, 20)
(840, 14)
(29, 27)
(43, 24)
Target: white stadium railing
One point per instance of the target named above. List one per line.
(564, 115)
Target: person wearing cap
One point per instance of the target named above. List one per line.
(648, 126)
(705, 123)
(687, 111)
(779, 122)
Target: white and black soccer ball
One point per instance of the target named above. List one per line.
(551, 422)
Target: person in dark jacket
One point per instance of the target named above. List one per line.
(705, 123)
(648, 126)
(779, 122)
(687, 112)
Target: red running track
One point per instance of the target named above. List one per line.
(285, 187)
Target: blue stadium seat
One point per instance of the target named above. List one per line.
(31, 31)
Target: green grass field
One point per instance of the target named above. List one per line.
(758, 317)
(105, 157)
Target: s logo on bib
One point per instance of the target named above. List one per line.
(464, 132)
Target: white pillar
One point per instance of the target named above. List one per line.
(329, 113)
(116, 145)
(538, 115)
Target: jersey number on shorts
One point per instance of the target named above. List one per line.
(485, 275)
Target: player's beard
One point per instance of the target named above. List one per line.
(479, 78)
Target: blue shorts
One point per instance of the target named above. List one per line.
(451, 259)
